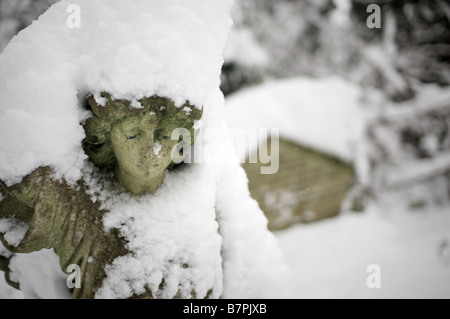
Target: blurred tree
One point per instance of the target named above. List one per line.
(408, 150)
(16, 15)
(415, 36)
(316, 38)
(297, 37)
(331, 37)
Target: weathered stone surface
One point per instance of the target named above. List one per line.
(309, 186)
(136, 144)
(63, 218)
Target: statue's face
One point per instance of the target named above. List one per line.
(135, 142)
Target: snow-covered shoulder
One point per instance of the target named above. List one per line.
(253, 264)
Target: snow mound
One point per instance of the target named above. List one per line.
(13, 230)
(200, 234)
(40, 275)
(411, 249)
(324, 114)
(174, 239)
(131, 49)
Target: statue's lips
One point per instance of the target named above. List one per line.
(151, 165)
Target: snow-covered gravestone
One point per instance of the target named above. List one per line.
(86, 120)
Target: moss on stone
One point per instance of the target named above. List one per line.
(137, 144)
(64, 218)
(308, 186)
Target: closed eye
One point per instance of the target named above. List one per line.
(159, 135)
(131, 138)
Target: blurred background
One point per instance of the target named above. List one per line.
(361, 96)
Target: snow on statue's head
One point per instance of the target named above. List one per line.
(136, 141)
(131, 49)
(151, 57)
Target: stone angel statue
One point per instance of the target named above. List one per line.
(133, 143)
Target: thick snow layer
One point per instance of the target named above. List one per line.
(13, 231)
(330, 259)
(324, 114)
(8, 292)
(253, 264)
(131, 49)
(335, 116)
(40, 275)
(200, 231)
(173, 236)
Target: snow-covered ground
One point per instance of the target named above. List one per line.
(330, 259)
(144, 48)
(324, 114)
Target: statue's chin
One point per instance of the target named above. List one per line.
(139, 184)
